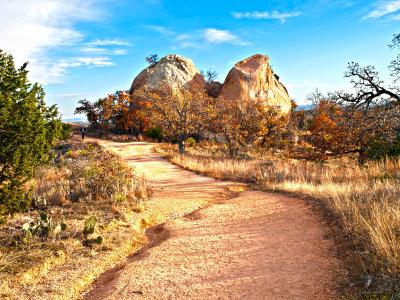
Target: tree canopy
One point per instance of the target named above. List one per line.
(117, 112)
(365, 121)
(180, 112)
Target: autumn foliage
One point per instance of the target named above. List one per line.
(339, 129)
(245, 123)
(328, 134)
(179, 112)
(117, 112)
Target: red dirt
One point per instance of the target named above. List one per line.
(249, 245)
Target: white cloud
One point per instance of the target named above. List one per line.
(265, 15)
(114, 42)
(30, 30)
(54, 72)
(204, 37)
(97, 50)
(86, 61)
(198, 38)
(219, 36)
(384, 8)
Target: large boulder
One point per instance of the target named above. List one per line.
(254, 79)
(173, 71)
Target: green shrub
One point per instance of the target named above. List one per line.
(28, 130)
(83, 152)
(191, 141)
(65, 131)
(155, 133)
(173, 140)
(378, 150)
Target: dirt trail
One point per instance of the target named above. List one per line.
(242, 245)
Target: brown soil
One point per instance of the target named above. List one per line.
(241, 245)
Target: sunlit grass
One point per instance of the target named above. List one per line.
(83, 180)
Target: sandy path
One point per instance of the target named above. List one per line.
(243, 245)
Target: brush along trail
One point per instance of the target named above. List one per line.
(237, 244)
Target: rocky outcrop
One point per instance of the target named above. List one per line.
(254, 79)
(172, 70)
(213, 88)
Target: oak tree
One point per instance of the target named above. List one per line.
(245, 123)
(178, 111)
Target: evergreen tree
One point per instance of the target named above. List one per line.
(28, 130)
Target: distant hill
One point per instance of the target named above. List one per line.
(305, 107)
(79, 121)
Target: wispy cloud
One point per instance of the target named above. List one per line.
(213, 35)
(86, 61)
(105, 47)
(384, 9)
(105, 51)
(265, 15)
(30, 32)
(161, 29)
(56, 71)
(114, 42)
(198, 38)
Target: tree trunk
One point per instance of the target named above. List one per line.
(181, 146)
(233, 150)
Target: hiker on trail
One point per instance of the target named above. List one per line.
(82, 130)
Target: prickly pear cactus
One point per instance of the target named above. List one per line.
(63, 225)
(25, 227)
(89, 225)
(99, 240)
(44, 217)
(26, 233)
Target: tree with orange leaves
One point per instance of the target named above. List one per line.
(179, 112)
(328, 135)
(117, 112)
(341, 129)
(244, 123)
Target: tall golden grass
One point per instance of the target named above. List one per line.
(365, 199)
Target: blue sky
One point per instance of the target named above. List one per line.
(88, 49)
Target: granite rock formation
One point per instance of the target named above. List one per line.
(253, 78)
(173, 71)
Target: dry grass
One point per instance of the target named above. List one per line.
(82, 181)
(366, 201)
